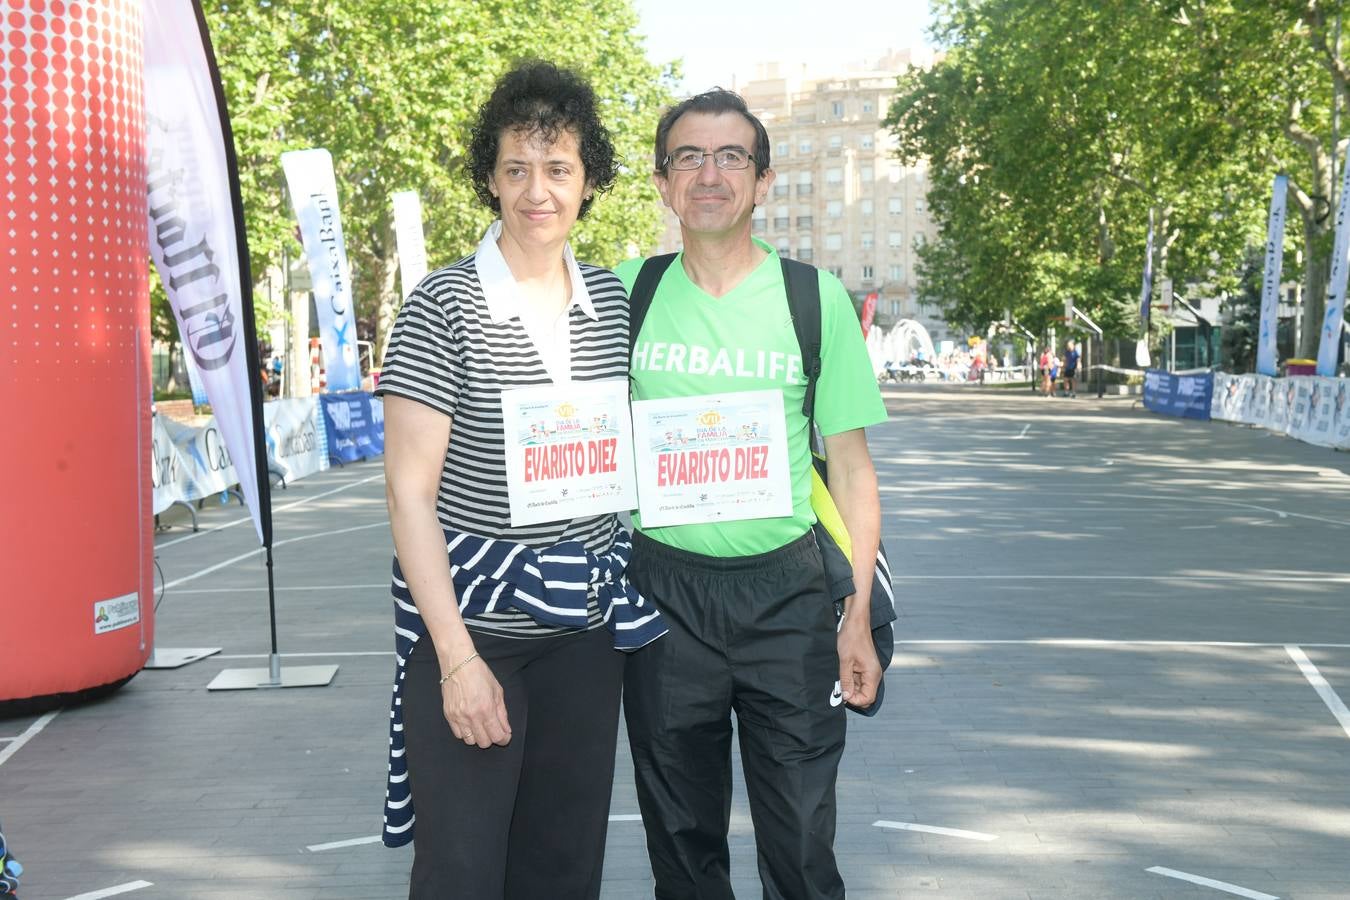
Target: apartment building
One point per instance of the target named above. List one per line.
(841, 200)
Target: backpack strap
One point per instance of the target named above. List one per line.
(803, 294)
(640, 297)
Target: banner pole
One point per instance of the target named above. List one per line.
(235, 679)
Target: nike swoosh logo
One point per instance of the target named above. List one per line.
(836, 696)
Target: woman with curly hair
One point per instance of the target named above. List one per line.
(505, 707)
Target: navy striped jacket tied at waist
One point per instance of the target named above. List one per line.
(552, 585)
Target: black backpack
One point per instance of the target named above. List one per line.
(803, 296)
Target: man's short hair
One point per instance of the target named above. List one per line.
(715, 102)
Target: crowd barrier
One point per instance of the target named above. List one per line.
(304, 436)
(1309, 408)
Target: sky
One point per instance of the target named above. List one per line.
(721, 41)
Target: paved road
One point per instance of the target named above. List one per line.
(1113, 626)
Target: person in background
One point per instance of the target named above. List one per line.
(1071, 358)
(503, 723)
(1047, 362)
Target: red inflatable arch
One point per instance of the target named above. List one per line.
(76, 590)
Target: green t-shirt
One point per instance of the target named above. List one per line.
(693, 343)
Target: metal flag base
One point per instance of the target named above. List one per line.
(177, 657)
(272, 677)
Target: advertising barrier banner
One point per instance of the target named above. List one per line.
(1187, 396)
(191, 463)
(1311, 409)
(354, 424)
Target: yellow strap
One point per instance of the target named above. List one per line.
(828, 514)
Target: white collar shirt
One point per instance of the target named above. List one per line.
(552, 336)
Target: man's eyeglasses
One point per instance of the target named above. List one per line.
(688, 159)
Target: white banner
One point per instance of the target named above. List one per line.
(1146, 290)
(194, 237)
(1309, 408)
(1329, 347)
(191, 463)
(1270, 284)
(294, 449)
(412, 245)
(309, 175)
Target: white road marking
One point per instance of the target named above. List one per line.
(1324, 690)
(29, 733)
(338, 845)
(626, 817)
(1025, 429)
(113, 891)
(275, 510)
(243, 556)
(937, 829)
(1210, 882)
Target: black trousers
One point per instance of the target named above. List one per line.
(528, 820)
(754, 636)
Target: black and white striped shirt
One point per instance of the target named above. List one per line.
(456, 353)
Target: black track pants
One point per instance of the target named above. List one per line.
(526, 821)
(754, 635)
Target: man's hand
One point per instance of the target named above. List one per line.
(859, 670)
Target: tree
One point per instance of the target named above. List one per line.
(391, 89)
(1052, 129)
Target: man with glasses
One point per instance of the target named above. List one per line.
(751, 629)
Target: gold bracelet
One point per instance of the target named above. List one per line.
(451, 674)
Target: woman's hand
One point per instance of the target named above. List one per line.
(475, 706)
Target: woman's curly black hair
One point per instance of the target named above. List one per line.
(542, 100)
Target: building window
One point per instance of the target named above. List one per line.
(834, 242)
(803, 221)
(780, 218)
(919, 241)
(867, 240)
(804, 148)
(895, 308)
(804, 248)
(803, 184)
(834, 209)
(918, 205)
(867, 273)
(836, 142)
(896, 240)
(782, 150)
(897, 273)
(895, 206)
(865, 142)
(837, 107)
(784, 249)
(780, 190)
(804, 177)
(865, 206)
(837, 272)
(868, 106)
(834, 176)
(757, 219)
(894, 173)
(866, 174)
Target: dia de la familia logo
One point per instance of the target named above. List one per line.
(102, 615)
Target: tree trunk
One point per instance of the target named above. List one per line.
(1315, 272)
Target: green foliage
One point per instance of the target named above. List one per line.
(391, 89)
(1053, 127)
